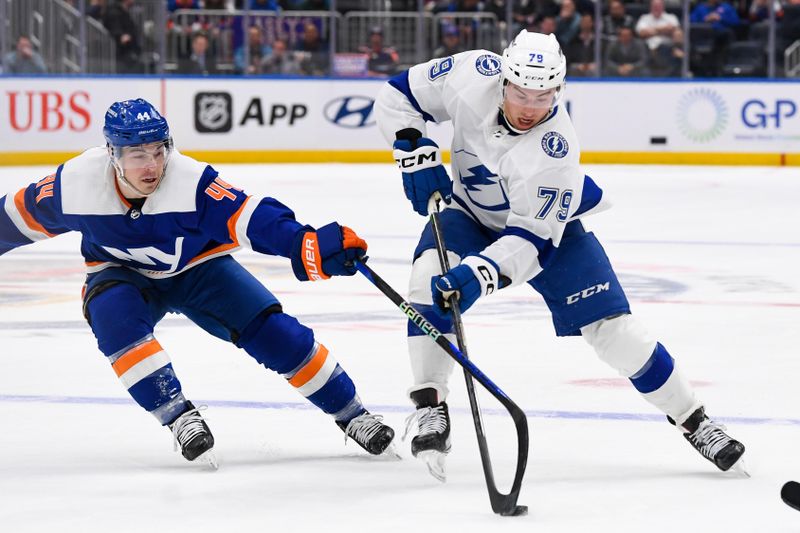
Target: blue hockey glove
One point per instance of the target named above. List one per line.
(328, 251)
(476, 276)
(420, 161)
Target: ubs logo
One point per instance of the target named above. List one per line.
(213, 112)
(350, 111)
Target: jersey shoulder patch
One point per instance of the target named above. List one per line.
(555, 145)
(488, 64)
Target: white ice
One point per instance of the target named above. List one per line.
(710, 259)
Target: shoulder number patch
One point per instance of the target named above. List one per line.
(440, 68)
(554, 144)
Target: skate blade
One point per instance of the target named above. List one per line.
(435, 461)
(740, 468)
(208, 458)
(391, 452)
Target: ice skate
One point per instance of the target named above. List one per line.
(370, 433)
(432, 443)
(191, 433)
(709, 438)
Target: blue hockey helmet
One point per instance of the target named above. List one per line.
(134, 122)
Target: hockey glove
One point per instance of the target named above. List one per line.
(476, 276)
(328, 251)
(420, 161)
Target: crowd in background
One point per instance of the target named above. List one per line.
(727, 37)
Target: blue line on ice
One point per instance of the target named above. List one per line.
(238, 404)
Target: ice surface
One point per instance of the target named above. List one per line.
(709, 256)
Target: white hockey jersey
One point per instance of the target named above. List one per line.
(525, 187)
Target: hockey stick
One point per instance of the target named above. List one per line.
(499, 501)
(503, 504)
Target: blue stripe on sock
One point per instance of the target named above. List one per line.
(443, 324)
(655, 372)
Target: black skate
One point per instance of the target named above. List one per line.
(191, 433)
(709, 438)
(369, 432)
(432, 442)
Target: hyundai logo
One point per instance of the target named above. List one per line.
(350, 111)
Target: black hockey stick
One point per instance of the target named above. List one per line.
(503, 504)
(498, 500)
(790, 494)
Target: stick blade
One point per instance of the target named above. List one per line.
(790, 494)
(518, 510)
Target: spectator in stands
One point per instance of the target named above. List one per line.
(172, 5)
(526, 13)
(258, 50)
(759, 10)
(617, 18)
(668, 61)
(790, 30)
(264, 5)
(123, 30)
(719, 13)
(547, 25)
(96, 9)
(382, 60)
(451, 42)
(657, 26)
(580, 53)
(724, 20)
(281, 60)
(313, 52)
(24, 59)
(627, 56)
(568, 23)
(200, 61)
(218, 4)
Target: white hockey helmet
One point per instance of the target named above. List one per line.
(534, 61)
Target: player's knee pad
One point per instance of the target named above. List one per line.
(277, 340)
(118, 315)
(424, 268)
(622, 342)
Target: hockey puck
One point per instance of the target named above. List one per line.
(790, 494)
(519, 510)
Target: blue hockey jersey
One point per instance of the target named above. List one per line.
(192, 217)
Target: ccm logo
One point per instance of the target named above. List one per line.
(412, 161)
(311, 260)
(589, 291)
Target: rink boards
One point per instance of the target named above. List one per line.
(44, 120)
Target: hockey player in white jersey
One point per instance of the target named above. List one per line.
(514, 216)
(158, 228)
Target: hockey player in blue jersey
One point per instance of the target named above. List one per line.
(158, 228)
(514, 216)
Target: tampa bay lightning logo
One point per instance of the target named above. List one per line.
(481, 185)
(488, 64)
(554, 144)
(350, 111)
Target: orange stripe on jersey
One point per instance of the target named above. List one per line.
(136, 355)
(122, 198)
(310, 369)
(19, 202)
(231, 232)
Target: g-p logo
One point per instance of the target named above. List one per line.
(756, 114)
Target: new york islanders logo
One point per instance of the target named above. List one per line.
(555, 145)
